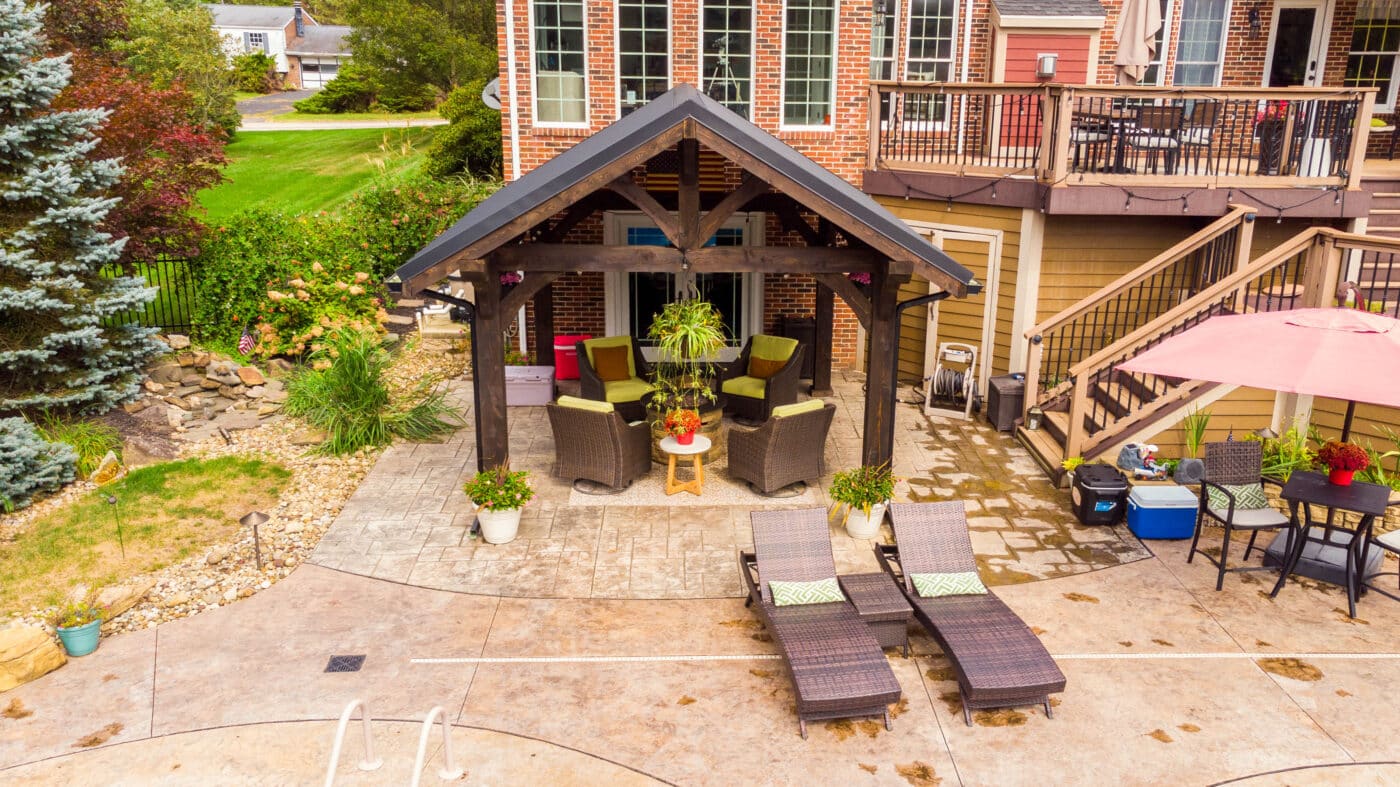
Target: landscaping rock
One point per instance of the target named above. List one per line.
(230, 391)
(216, 556)
(223, 372)
(185, 359)
(191, 380)
(234, 421)
(210, 385)
(175, 600)
(278, 367)
(177, 402)
(310, 436)
(139, 450)
(167, 373)
(250, 376)
(26, 653)
(268, 409)
(117, 599)
(178, 341)
(137, 406)
(153, 387)
(256, 392)
(231, 594)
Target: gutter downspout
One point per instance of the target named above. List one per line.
(899, 311)
(514, 115)
(963, 77)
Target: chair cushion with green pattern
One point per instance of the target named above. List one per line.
(626, 390)
(751, 387)
(1247, 497)
(822, 591)
(962, 583)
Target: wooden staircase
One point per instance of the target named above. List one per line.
(1090, 408)
(1377, 275)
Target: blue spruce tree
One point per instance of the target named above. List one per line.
(55, 351)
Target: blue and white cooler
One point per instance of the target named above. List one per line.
(1166, 511)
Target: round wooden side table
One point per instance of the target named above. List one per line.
(696, 451)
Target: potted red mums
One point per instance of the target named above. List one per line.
(1342, 460)
(682, 424)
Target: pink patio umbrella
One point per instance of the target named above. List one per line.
(1335, 353)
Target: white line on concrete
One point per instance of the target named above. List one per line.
(1236, 655)
(592, 659)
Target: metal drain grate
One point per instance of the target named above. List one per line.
(345, 663)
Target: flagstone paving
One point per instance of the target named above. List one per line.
(409, 521)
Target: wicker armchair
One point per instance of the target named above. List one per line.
(753, 398)
(786, 450)
(628, 396)
(598, 446)
(1234, 463)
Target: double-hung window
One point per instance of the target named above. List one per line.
(1200, 43)
(929, 57)
(643, 51)
(1156, 70)
(1375, 46)
(726, 45)
(254, 42)
(809, 62)
(561, 92)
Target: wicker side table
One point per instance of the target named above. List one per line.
(880, 604)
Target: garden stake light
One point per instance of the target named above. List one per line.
(116, 515)
(253, 519)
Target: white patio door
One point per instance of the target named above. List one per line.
(1297, 43)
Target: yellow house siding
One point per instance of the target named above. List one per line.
(1242, 411)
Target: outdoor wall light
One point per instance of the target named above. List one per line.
(1033, 417)
(1045, 65)
(253, 519)
(1254, 23)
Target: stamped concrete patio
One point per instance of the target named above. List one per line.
(409, 521)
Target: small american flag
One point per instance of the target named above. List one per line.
(246, 342)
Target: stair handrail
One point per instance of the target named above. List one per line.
(1239, 216)
(369, 762)
(1144, 271)
(449, 770)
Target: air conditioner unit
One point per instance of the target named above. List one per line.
(561, 97)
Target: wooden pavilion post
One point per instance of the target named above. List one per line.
(490, 374)
(878, 446)
(821, 343)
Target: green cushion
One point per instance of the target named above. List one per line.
(965, 583)
(626, 390)
(772, 348)
(584, 404)
(785, 410)
(612, 341)
(1247, 497)
(822, 591)
(751, 387)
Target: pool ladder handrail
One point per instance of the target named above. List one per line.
(449, 770)
(370, 762)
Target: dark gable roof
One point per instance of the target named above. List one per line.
(1049, 8)
(599, 151)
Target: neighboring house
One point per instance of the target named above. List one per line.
(307, 54)
(995, 129)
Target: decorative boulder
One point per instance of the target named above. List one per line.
(27, 653)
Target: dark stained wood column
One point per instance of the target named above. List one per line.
(821, 344)
(490, 374)
(544, 326)
(878, 446)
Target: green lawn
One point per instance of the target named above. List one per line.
(388, 117)
(310, 171)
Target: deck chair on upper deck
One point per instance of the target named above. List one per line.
(998, 660)
(837, 667)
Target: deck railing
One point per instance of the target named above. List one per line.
(1082, 135)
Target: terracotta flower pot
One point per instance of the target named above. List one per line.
(1340, 477)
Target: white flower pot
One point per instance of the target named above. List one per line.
(499, 527)
(858, 525)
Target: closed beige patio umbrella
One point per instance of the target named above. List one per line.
(1136, 37)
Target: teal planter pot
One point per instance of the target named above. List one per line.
(80, 640)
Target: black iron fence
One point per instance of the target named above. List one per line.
(173, 310)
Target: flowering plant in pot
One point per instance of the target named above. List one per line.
(79, 627)
(865, 491)
(499, 494)
(682, 423)
(1342, 460)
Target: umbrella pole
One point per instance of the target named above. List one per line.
(1346, 423)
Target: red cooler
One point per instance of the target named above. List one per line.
(566, 356)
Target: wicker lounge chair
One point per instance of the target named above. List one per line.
(785, 450)
(629, 395)
(752, 398)
(999, 662)
(837, 667)
(593, 445)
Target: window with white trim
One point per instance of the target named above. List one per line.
(809, 62)
(1200, 42)
(254, 42)
(561, 85)
(1157, 69)
(928, 57)
(883, 40)
(1375, 46)
(643, 51)
(726, 46)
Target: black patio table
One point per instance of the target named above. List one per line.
(1306, 489)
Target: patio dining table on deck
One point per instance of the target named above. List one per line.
(1119, 121)
(1305, 490)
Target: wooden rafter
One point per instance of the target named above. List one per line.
(688, 194)
(559, 258)
(849, 292)
(647, 204)
(576, 213)
(733, 202)
(526, 289)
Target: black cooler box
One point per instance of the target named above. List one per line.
(1100, 494)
